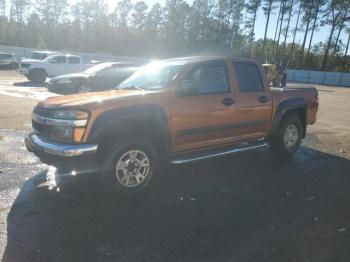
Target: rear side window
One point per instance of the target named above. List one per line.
(73, 60)
(248, 77)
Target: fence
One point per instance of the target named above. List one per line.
(26, 52)
(319, 77)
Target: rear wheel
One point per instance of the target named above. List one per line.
(37, 76)
(288, 137)
(131, 166)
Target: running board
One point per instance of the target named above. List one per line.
(190, 157)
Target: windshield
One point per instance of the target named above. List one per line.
(155, 75)
(39, 56)
(95, 69)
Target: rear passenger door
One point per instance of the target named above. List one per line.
(253, 103)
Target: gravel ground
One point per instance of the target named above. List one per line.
(244, 207)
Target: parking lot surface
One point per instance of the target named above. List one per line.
(245, 207)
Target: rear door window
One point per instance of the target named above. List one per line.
(73, 60)
(248, 77)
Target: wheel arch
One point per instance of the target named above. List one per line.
(147, 121)
(296, 106)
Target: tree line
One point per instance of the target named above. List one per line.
(178, 28)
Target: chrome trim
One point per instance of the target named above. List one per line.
(33, 140)
(231, 151)
(58, 122)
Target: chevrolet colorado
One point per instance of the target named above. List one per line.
(170, 111)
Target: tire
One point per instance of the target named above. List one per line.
(287, 139)
(38, 76)
(130, 165)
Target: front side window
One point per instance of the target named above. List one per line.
(153, 76)
(248, 77)
(38, 56)
(58, 60)
(209, 78)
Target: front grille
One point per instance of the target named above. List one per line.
(44, 130)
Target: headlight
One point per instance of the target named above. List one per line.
(67, 134)
(70, 114)
(65, 81)
(62, 133)
(70, 125)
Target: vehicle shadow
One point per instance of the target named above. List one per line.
(245, 207)
(8, 67)
(29, 84)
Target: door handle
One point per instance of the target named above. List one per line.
(263, 99)
(228, 101)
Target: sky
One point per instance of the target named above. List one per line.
(321, 34)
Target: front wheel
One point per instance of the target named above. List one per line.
(288, 137)
(38, 76)
(131, 166)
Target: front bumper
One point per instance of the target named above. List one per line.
(72, 157)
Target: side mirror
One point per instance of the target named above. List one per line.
(187, 88)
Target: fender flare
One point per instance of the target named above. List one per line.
(285, 107)
(110, 121)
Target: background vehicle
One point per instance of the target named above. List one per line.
(7, 59)
(177, 111)
(275, 74)
(100, 77)
(41, 55)
(59, 64)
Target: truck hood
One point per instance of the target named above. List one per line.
(86, 99)
(31, 61)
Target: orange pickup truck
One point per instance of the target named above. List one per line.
(170, 111)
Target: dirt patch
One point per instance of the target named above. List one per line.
(11, 75)
(332, 127)
(16, 112)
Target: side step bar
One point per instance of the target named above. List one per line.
(191, 157)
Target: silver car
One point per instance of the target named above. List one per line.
(7, 59)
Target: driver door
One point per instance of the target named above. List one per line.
(204, 117)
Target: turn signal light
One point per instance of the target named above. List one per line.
(78, 134)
